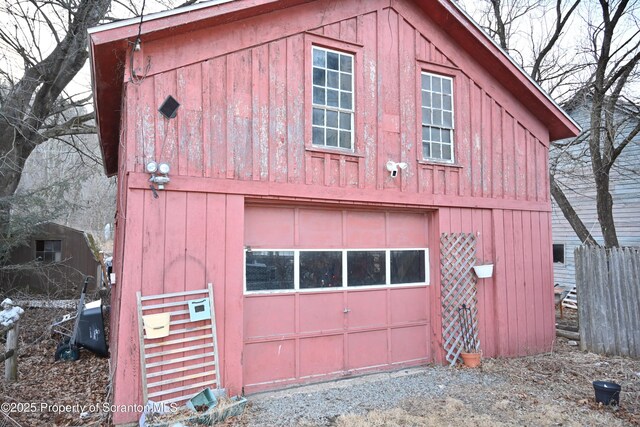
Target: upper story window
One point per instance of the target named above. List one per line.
(49, 250)
(437, 117)
(333, 99)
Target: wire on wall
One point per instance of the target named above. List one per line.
(135, 78)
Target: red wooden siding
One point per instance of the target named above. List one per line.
(242, 136)
(515, 309)
(245, 115)
(178, 242)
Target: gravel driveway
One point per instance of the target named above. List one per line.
(322, 404)
(543, 390)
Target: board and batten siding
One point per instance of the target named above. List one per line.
(183, 240)
(243, 134)
(625, 190)
(245, 114)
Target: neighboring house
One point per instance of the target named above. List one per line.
(575, 173)
(56, 257)
(324, 263)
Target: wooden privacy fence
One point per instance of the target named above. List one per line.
(608, 286)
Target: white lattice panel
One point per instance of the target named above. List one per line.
(458, 255)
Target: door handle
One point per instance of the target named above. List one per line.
(346, 310)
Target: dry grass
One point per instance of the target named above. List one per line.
(543, 390)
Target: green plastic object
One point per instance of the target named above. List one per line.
(205, 397)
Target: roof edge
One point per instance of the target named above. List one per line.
(155, 16)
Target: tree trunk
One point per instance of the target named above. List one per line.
(604, 206)
(570, 214)
(34, 99)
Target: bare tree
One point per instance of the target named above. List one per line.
(45, 46)
(34, 107)
(598, 74)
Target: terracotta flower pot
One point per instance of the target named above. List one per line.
(471, 360)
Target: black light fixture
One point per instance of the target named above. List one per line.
(169, 107)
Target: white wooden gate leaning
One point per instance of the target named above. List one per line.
(457, 258)
(193, 358)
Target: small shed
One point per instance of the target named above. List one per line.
(52, 263)
(336, 168)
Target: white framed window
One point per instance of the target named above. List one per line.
(299, 270)
(437, 117)
(333, 98)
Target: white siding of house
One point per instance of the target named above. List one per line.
(625, 189)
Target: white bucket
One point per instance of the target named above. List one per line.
(483, 271)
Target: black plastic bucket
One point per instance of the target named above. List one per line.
(607, 393)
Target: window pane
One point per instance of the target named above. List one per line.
(446, 152)
(318, 116)
(558, 253)
(345, 121)
(345, 139)
(332, 119)
(426, 116)
(345, 82)
(407, 267)
(318, 96)
(332, 138)
(426, 82)
(426, 134)
(426, 150)
(269, 270)
(319, 58)
(39, 245)
(346, 63)
(437, 117)
(437, 100)
(435, 134)
(446, 102)
(426, 99)
(332, 98)
(345, 100)
(366, 268)
(436, 152)
(332, 61)
(446, 86)
(318, 77)
(446, 119)
(436, 87)
(333, 79)
(445, 136)
(318, 136)
(320, 269)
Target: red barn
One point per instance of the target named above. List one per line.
(321, 155)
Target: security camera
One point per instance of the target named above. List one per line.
(392, 167)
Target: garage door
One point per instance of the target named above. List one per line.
(329, 293)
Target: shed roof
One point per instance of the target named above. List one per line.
(110, 43)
